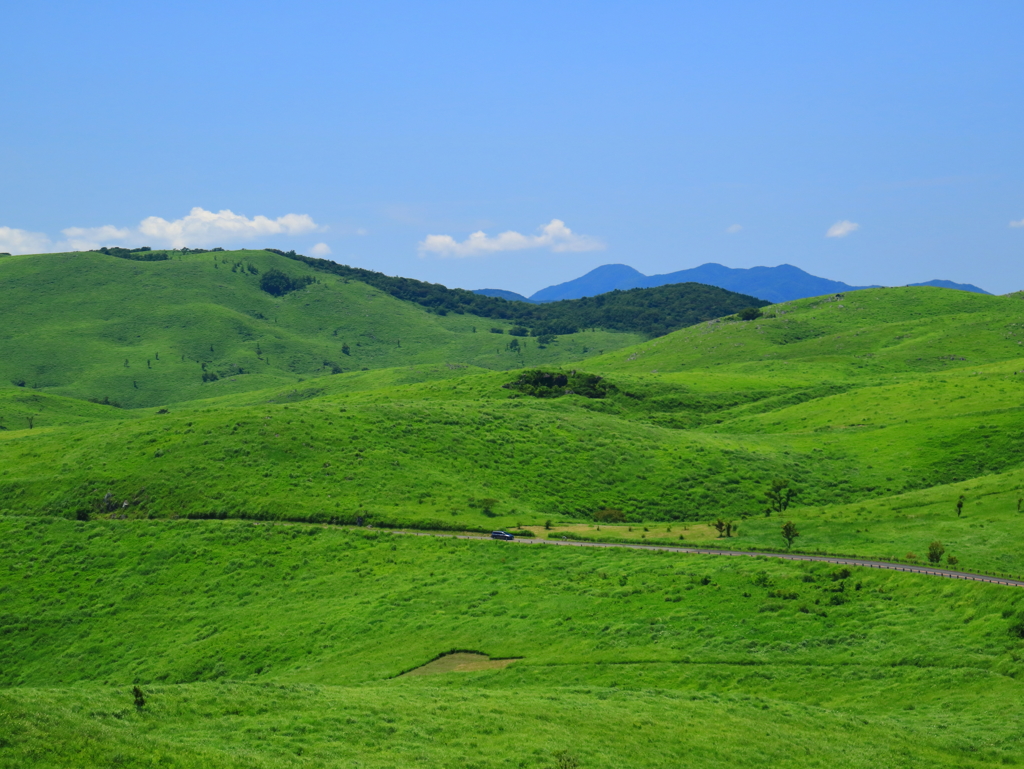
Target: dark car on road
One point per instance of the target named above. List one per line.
(501, 535)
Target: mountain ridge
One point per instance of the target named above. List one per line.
(782, 283)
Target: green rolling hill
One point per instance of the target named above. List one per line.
(139, 333)
(196, 539)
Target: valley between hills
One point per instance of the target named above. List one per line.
(206, 458)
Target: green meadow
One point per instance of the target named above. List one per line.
(260, 644)
(188, 464)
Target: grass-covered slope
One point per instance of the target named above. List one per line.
(450, 447)
(90, 325)
(894, 414)
(870, 332)
(262, 645)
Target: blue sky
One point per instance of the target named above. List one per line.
(659, 135)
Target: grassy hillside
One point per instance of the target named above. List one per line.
(893, 415)
(871, 332)
(278, 645)
(451, 447)
(89, 325)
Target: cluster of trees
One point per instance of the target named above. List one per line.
(649, 311)
(147, 254)
(143, 254)
(277, 283)
(554, 384)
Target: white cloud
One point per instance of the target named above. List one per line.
(842, 229)
(554, 235)
(206, 228)
(87, 238)
(320, 249)
(1017, 223)
(14, 241)
(733, 228)
(199, 228)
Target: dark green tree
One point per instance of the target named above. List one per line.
(779, 496)
(935, 552)
(724, 527)
(789, 533)
(960, 506)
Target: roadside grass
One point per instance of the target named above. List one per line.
(274, 645)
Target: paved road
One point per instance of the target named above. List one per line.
(934, 572)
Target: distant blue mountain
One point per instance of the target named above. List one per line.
(774, 284)
(512, 296)
(951, 284)
(600, 280)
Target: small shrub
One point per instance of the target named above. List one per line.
(609, 515)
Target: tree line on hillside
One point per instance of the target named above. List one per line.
(147, 254)
(648, 311)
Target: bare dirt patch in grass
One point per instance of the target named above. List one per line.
(692, 532)
(459, 662)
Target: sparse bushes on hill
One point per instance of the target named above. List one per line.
(105, 401)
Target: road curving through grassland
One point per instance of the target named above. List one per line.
(864, 562)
